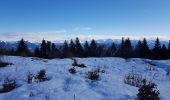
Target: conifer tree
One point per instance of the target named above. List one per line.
(55, 53)
(128, 49)
(145, 52)
(156, 52)
(93, 48)
(43, 49)
(111, 51)
(86, 49)
(168, 51)
(121, 52)
(138, 49)
(72, 48)
(79, 48)
(65, 49)
(22, 49)
(48, 47)
(36, 52)
(163, 52)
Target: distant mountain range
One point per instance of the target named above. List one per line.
(108, 42)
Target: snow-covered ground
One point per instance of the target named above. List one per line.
(65, 86)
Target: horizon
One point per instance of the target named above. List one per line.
(98, 19)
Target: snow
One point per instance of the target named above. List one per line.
(65, 86)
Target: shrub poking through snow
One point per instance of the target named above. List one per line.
(81, 65)
(30, 78)
(41, 76)
(148, 91)
(4, 63)
(78, 65)
(31, 94)
(133, 79)
(8, 85)
(72, 70)
(93, 75)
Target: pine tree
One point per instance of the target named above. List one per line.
(169, 45)
(168, 51)
(36, 52)
(93, 49)
(121, 52)
(111, 51)
(100, 50)
(128, 49)
(22, 49)
(138, 49)
(156, 50)
(79, 48)
(145, 52)
(48, 45)
(86, 49)
(55, 52)
(72, 48)
(148, 92)
(43, 49)
(163, 52)
(65, 49)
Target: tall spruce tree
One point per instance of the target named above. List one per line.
(156, 52)
(43, 49)
(93, 48)
(48, 47)
(55, 52)
(22, 49)
(72, 48)
(128, 49)
(163, 52)
(37, 52)
(65, 49)
(86, 49)
(138, 49)
(168, 51)
(79, 48)
(121, 52)
(145, 52)
(111, 51)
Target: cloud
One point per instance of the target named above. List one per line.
(61, 35)
(82, 29)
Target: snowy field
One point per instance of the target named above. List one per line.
(63, 85)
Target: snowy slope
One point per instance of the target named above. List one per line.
(64, 86)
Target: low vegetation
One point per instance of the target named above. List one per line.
(3, 63)
(72, 70)
(93, 75)
(78, 65)
(40, 77)
(8, 85)
(133, 79)
(148, 91)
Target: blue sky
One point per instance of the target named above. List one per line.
(19, 18)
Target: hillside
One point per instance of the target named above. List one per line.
(62, 85)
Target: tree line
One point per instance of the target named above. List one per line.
(74, 48)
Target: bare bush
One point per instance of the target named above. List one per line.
(31, 94)
(8, 85)
(3, 63)
(134, 79)
(72, 70)
(78, 65)
(93, 75)
(148, 91)
(41, 76)
(30, 78)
